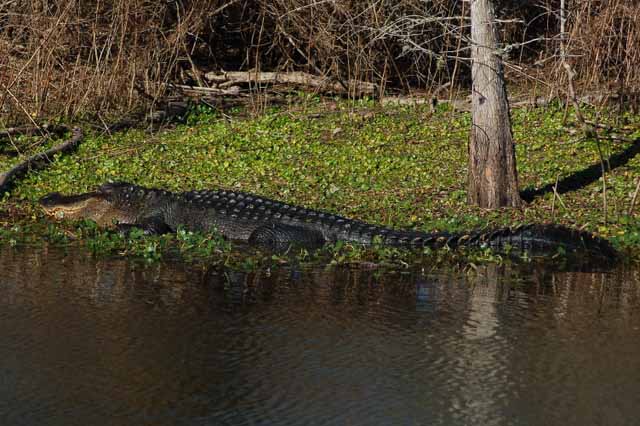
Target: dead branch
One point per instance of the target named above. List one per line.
(465, 105)
(324, 84)
(30, 130)
(40, 160)
(200, 90)
(461, 105)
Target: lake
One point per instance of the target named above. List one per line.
(86, 341)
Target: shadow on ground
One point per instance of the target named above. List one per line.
(584, 177)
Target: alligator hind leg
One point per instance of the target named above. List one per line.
(279, 237)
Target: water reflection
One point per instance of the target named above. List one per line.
(115, 342)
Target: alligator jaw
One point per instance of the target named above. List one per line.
(91, 205)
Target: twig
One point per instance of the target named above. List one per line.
(223, 7)
(589, 131)
(553, 202)
(556, 194)
(28, 130)
(635, 196)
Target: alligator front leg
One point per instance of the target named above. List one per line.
(149, 226)
(280, 237)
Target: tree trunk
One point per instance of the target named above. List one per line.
(493, 179)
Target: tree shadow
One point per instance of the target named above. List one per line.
(583, 177)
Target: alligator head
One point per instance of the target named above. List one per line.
(111, 203)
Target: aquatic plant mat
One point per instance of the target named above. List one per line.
(399, 166)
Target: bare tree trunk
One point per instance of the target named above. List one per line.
(493, 179)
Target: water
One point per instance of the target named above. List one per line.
(111, 342)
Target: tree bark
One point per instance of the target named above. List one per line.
(493, 178)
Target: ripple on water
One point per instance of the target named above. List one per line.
(106, 341)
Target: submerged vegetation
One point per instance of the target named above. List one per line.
(396, 166)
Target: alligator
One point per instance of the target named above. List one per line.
(276, 225)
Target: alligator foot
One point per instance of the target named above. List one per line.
(151, 226)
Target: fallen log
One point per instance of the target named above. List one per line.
(464, 105)
(40, 160)
(231, 91)
(324, 84)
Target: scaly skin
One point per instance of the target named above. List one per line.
(248, 217)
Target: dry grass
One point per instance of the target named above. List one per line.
(70, 58)
(605, 36)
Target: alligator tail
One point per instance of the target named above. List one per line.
(537, 239)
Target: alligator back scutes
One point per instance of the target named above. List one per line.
(246, 204)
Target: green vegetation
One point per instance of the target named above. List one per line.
(400, 166)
